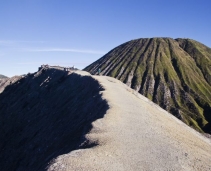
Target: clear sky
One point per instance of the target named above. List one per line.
(78, 32)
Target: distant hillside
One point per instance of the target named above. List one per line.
(2, 76)
(175, 74)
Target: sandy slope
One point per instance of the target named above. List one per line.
(136, 134)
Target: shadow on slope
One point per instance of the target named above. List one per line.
(207, 114)
(45, 115)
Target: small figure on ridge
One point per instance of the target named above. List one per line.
(99, 70)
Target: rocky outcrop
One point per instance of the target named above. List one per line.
(175, 74)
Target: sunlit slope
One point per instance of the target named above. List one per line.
(175, 74)
(136, 134)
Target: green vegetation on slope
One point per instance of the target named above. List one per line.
(175, 74)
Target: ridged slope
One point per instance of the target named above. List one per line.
(175, 74)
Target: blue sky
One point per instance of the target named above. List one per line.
(78, 32)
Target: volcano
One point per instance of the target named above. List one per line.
(173, 73)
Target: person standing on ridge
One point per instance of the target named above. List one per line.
(99, 70)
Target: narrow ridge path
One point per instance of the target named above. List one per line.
(136, 134)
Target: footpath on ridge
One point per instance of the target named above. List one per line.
(136, 134)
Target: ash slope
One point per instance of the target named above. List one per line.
(175, 74)
(132, 136)
(44, 115)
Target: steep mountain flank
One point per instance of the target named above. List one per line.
(175, 74)
(200, 53)
(44, 115)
